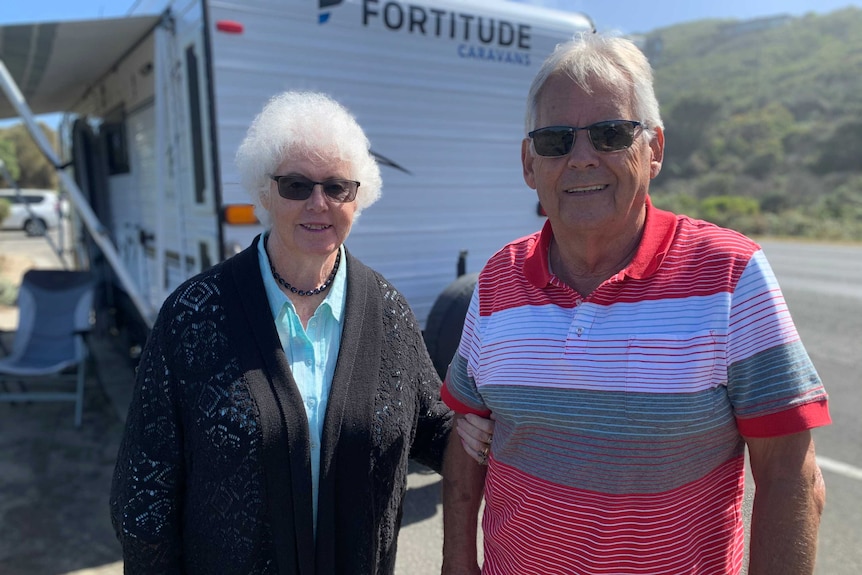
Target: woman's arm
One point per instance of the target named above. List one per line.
(148, 478)
(476, 434)
(434, 422)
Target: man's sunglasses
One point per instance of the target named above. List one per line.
(295, 187)
(607, 136)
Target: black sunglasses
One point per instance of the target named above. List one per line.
(607, 136)
(296, 187)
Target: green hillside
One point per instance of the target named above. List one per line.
(763, 123)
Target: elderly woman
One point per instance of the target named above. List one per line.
(281, 392)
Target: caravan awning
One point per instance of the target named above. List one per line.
(54, 63)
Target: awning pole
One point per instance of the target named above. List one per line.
(91, 222)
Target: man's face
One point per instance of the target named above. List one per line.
(601, 194)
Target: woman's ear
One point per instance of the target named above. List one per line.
(265, 196)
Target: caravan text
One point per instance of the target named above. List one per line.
(444, 23)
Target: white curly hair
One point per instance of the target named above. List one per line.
(307, 125)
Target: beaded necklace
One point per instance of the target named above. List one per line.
(315, 291)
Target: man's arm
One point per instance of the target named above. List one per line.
(463, 486)
(788, 502)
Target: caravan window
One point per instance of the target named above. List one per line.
(196, 127)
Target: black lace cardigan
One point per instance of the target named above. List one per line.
(213, 474)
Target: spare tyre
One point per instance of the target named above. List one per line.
(446, 319)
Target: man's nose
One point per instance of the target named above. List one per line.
(582, 154)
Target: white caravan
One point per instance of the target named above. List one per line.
(160, 100)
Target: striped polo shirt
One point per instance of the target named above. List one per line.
(618, 446)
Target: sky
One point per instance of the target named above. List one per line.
(624, 16)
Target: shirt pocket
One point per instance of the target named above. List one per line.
(671, 379)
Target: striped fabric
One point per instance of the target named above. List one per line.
(618, 445)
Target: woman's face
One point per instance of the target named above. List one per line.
(316, 226)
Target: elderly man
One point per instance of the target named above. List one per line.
(629, 356)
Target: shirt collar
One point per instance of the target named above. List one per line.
(335, 297)
(658, 235)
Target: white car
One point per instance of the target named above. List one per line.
(34, 211)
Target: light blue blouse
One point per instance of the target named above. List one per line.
(311, 353)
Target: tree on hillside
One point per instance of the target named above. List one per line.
(757, 136)
(10, 160)
(34, 170)
(691, 120)
(767, 111)
(842, 149)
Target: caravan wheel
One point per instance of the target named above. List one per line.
(443, 328)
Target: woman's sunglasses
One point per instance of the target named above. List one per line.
(295, 187)
(607, 136)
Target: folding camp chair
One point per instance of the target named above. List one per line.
(55, 309)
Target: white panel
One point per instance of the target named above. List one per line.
(131, 205)
(428, 101)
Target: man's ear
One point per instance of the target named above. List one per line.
(657, 148)
(527, 163)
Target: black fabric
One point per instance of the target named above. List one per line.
(346, 502)
(213, 474)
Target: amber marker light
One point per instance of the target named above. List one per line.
(239, 215)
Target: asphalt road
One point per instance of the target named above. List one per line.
(41, 251)
(823, 287)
